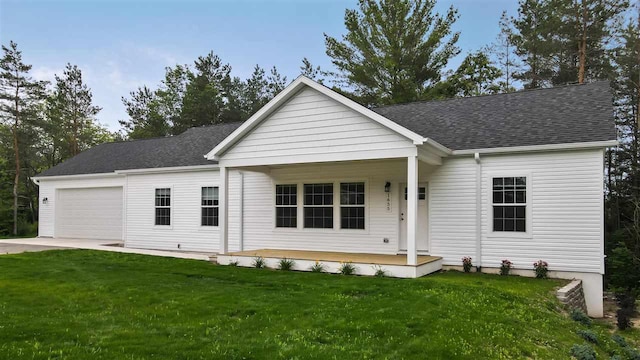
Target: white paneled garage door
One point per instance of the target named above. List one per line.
(93, 213)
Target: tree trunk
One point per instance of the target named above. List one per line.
(16, 180)
(582, 44)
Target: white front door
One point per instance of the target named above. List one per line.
(422, 236)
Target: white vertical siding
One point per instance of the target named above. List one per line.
(566, 211)
(452, 209)
(185, 226)
(311, 127)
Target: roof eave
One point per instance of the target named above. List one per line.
(537, 148)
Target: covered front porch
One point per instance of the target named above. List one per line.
(365, 264)
(313, 171)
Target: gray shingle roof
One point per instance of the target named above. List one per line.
(565, 114)
(185, 149)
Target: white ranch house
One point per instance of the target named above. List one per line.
(410, 188)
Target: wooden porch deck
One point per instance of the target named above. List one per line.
(375, 259)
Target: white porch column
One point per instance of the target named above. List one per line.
(223, 223)
(412, 209)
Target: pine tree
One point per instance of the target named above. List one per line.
(206, 92)
(145, 118)
(72, 111)
(19, 94)
(475, 76)
(533, 37)
(503, 49)
(394, 51)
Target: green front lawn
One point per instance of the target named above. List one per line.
(75, 304)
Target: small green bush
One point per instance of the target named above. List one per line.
(588, 335)
(619, 340)
(505, 267)
(380, 272)
(347, 268)
(259, 263)
(234, 263)
(616, 357)
(467, 264)
(541, 268)
(627, 304)
(632, 354)
(318, 267)
(286, 264)
(579, 316)
(583, 352)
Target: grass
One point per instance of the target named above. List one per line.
(78, 304)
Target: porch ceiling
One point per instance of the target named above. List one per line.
(380, 259)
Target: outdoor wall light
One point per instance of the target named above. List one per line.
(45, 200)
(387, 187)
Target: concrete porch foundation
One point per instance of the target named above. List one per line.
(365, 264)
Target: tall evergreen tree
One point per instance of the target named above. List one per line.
(475, 76)
(394, 50)
(206, 93)
(314, 73)
(19, 94)
(72, 113)
(503, 50)
(534, 28)
(145, 118)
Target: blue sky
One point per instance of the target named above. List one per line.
(120, 45)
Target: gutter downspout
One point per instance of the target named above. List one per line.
(241, 217)
(478, 261)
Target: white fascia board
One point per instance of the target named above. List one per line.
(122, 173)
(287, 93)
(78, 176)
(173, 169)
(441, 149)
(535, 148)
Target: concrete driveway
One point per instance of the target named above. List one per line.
(33, 244)
(20, 248)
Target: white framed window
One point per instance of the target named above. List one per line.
(287, 206)
(318, 206)
(509, 204)
(163, 206)
(352, 205)
(209, 206)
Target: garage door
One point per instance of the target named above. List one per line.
(94, 213)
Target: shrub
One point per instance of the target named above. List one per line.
(619, 340)
(259, 263)
(627, 303)
(380, 272)
(347, 268)
(286, 264)
(581, 317)
(505, 267)
(615, 357)
(466, 264)
(318, 267)
(632, 354)
(583, 352)
(234, 263)
(541, 268)
(588, 335)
